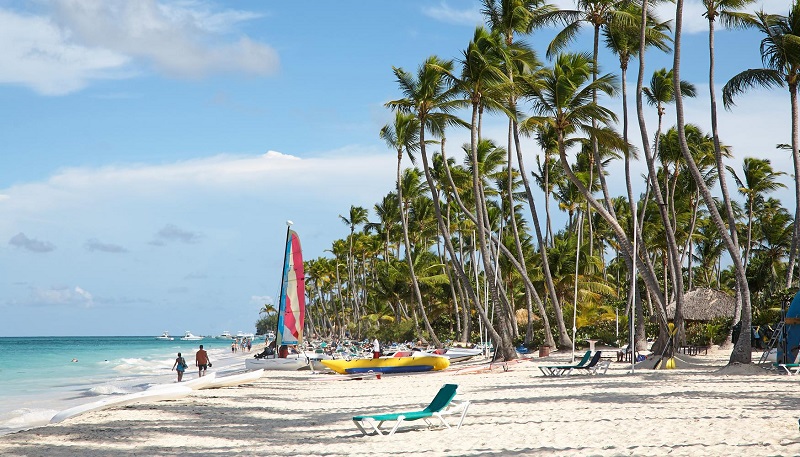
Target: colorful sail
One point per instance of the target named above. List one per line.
(291, 312)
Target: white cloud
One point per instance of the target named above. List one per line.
(178, 38)
(39, 54)
(445, 13)
(261, 299)
(695, 22)
(60, 296)
(181, 193)
(64, 50)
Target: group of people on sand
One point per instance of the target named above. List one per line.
(201, 361)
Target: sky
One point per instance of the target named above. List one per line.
(153, 150)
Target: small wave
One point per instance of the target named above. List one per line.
(107, 389)
(20, 419)
(142, 366)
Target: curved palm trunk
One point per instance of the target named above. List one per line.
(409, 260)
(548, 336)
(563, 336)
(741, 351)
(445, 232)
(504, 345)
(625, 244)
(654, 185)
(723, 184)
(508, 254)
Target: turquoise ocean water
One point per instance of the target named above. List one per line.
(39, 379)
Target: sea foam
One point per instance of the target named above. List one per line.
(24, 418)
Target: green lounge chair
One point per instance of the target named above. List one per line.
(791, 368)
(441, 405)
(558, 370)
(593, 366)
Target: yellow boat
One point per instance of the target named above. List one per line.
(389, 364)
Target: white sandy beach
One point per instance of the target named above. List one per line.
(692, 412)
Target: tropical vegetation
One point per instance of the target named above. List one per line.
(457, 248)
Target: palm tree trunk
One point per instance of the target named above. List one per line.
(503, 345)
(625, 244)
(409, 259)
(742, 351)
(448, 244)
(670, 234)
(563, 337)
(796, 157)
(723, 184)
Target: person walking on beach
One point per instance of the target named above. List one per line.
(201, 361)
(180, 364)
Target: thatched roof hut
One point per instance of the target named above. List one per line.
(704, 305)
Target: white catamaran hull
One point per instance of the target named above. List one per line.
(287, 364)
(170, 393)
(235, 380)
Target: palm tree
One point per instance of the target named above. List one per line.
(780, 56)
(622, 38)
(661, 92)
(481, 76)
(741, 352)
(428, 97)
(563, 100)
(758, 178)
(356, 217)
(403, 136)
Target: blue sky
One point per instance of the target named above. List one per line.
(153, 150)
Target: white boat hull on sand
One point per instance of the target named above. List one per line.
(287, 364)
(170, 393)
(235, 380)
(194, 384)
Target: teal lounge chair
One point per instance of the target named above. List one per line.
(592, 367)
(441, 405)
(791, 368)
(558, 370)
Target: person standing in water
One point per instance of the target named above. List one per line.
(201, 361)
(180, 364)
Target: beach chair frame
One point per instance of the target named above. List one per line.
(442, 405)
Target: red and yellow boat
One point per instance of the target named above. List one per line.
(413, 364)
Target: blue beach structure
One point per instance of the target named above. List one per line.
(792, 321)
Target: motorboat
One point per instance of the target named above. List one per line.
(165, 337)
(248, 336)
(457, 354)
(189, 337)
(226, 335)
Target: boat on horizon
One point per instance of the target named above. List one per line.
(165, 337)
(226, 335)
(189, 337)
(291, 314)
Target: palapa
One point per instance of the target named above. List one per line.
(704, 305)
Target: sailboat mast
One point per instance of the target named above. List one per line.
(282, 297)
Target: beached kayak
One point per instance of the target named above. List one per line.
(389, 364)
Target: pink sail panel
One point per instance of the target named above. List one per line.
(291, 314)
